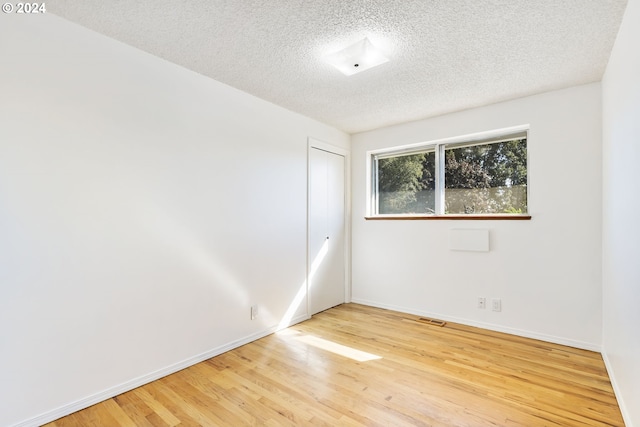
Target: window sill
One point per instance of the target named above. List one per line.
(470, 217)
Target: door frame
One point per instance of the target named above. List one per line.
(313, 143)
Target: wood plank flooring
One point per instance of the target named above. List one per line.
(354, 365)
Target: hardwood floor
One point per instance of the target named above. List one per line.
(360, 366)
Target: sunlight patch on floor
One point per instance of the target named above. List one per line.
(333, 347)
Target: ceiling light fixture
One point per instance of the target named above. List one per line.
(356, 58)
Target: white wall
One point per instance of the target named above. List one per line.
(621, 232)
(547, 271)
(143, 210)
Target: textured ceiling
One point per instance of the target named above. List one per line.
(445, 55)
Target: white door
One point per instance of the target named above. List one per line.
(326, 230)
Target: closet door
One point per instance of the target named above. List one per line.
(326, 230)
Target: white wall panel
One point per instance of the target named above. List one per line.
(143, 210)
(547, 271)
(621, 232)
(472, 240)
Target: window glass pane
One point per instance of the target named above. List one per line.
(406, 184)
(486, 178)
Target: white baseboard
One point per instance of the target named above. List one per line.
(145, 379)
(626, 417)
(492, 327)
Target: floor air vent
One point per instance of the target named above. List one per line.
(434, 322)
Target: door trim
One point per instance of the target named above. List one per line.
(313, 143)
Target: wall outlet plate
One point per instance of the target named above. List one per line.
(496, 304)
(254, 312)
(482, 302)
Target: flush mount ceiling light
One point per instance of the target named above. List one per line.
(356, 58)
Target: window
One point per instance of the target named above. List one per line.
(484, 174)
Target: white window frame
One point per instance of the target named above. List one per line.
(439, 146)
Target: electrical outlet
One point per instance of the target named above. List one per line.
(496, 304)
(482, 302)
(254, 312)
